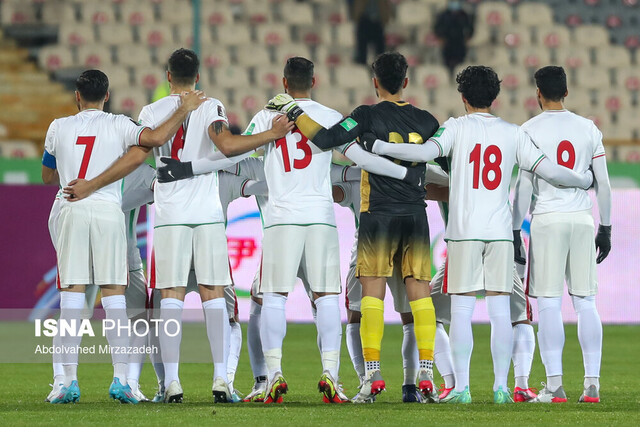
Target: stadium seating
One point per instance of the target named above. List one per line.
(244, 44)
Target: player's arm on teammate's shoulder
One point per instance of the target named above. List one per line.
(603, 197)
(233, 145)
(521, 203)
(159, 136)
(343, 132)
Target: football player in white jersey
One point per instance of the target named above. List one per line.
(483, 150)
(561, 239)
(189, 215)
(91, 243)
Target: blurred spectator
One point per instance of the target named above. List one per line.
(370, 17)
(454, 27)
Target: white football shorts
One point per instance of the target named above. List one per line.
(561, 247)
(475, 266)
(286, 247)
(177, 247)
(91, 245)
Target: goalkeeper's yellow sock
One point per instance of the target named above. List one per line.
(371, 331)
(424, 318)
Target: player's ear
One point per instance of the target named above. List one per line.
(106, 97)
(313, 81)
(285, 84)
(197, 77)
(169, 76)
(405, 83)
(375, 82)
(566, 93)
(77, 96)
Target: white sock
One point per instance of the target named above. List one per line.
(442, 356)
(58, 370)
(461, 337)
(524, 344)
(273, 329)
(234, 352)
(589, 334)
(115, 308)
(137, 340)
(354, 347)
(170, 310)
(501, 338)
(254, 344)
(71, 305)
(551, 339)
(329, 327)
(410, 357)
(154, 344)
(314, 313)
(219, 333)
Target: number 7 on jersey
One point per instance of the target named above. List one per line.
(88, 142)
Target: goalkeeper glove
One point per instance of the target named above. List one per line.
(518, 256)
(603, 242)
(284, 103)
(415, 176)
(174, 170)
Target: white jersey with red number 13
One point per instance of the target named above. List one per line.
(192, 201)
(86, 144)
(568, 140)
(483, 150)
(297, 172)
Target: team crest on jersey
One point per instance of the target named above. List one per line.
(221, 112)
(438, 132)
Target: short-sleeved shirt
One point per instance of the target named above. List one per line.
(297, 172)
(195, 200)
(86, 144)
(483, 150)
(397, 122)
(568, 140)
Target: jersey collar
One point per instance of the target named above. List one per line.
(487, 115)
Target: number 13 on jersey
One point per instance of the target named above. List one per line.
(301, 145)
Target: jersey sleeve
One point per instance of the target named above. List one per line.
(343, 132)
(445, 136)
(347, 191)
(217, 112)
(596, 136)
(129, 130)
(528, 155)
(252, 168)
(50, 140)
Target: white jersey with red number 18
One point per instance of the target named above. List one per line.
(297, 172)
(483, 150)
(195, 200)
(568, 140)
(86, 144)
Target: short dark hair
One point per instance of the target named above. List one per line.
(479, 85)
(390, 68)
(552, 82)
(299, 73)
(183, 66)
(92, 85)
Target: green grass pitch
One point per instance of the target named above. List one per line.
(24, 386)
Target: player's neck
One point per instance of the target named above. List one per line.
(471, 110)
(300, 95)
(91, 106)
(383, 95)
(552, 105)
(176, 90)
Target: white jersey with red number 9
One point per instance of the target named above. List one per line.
(192, 201)
(86, 144)
(483, 150)
(568, 140)
(297, 172)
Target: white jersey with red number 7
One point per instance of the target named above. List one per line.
(86, 144)
(483, 150)
(297, 172)
(568, 140)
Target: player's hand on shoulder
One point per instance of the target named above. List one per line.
(280, 126)
(603, 242)
(278, 102)
(518, 256)
(78, 189)
(173, 170)
(192, 100)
